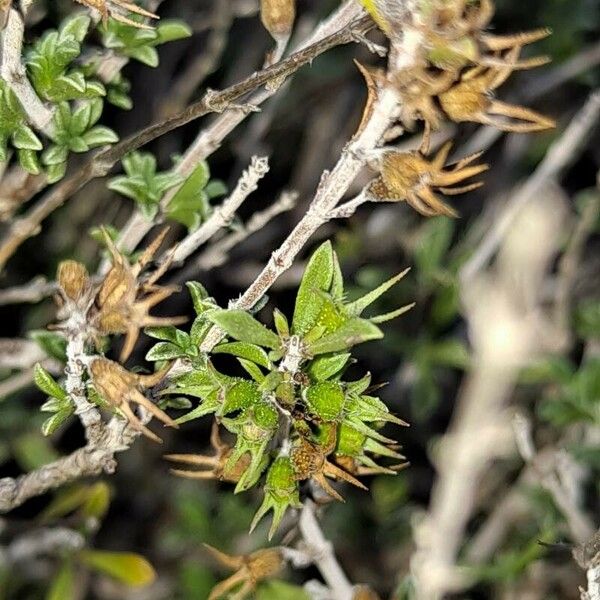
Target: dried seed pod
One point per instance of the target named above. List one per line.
(73, 279)
(278, 17)
(250, 569)
(413, 177)
(124, 302)
(120, 387)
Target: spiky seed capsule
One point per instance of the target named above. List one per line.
(73, 279)
(278, 17)
(326, 400)
(241, 395)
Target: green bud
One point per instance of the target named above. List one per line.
(281, 492)
(350, 442)
(255, 429)
(242, 394)
(325, 400)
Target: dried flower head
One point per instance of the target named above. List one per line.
(120, 388)
(216, 466)
(310, 462)
(124, 302)
(118, 10)
(413, 177)
(250, 569)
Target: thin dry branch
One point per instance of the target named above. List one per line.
(507, 329)
(210, 138)
(223, 215)
(13, 73)
(101, 163)
(216, 253)
(320, 550)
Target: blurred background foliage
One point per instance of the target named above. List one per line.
(146, 511)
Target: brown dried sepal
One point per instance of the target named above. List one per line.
(123, 302)
(213, 467)
(250, 569)
(118, 9)
(120, 388)
(413, 177)
(73, 280)
(310, 462)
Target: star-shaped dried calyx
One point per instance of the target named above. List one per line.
(250, 570)
(471, 100)
(124, 301)
(118, 10)
(415, 178)
(310, 462)
(215, 466)
(120, 388)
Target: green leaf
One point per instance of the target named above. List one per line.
(252, 369)
(46, 383)
(434, 243)
(324, 367)
(449, 353)
(355, 331)
(145, 54)
(53, 344)
(100, 136)
(63, 586)
(97, 501)
(167, 333)
(190, 205)
(28, 159)
(549, 369)
(25, 139)
(215, 188)
(244, 350)
(356, 308)
(392, 315)
(243, 327)
(77, 26)
(128, 568)
(170, 30)
(56, 172)
(65, 502)
(51, 424)
(317, 277)
(165, 351)
(31, 451)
